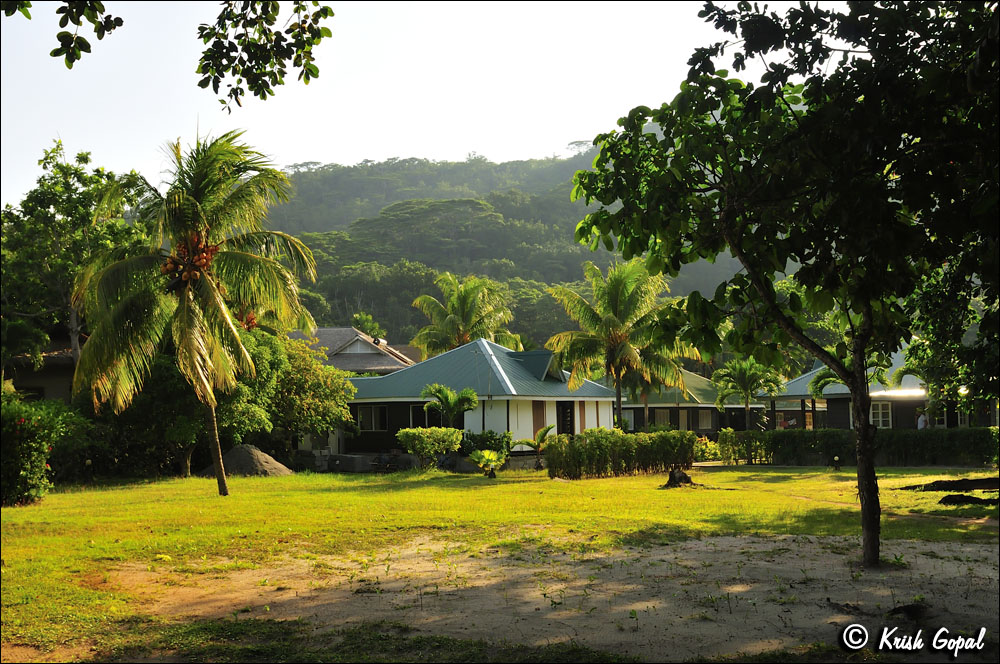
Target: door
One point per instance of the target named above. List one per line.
(564, 417)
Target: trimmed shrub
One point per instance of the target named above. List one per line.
(975, 446)
(610, 452)
(487, 440)
(428, 443)
(26, 439)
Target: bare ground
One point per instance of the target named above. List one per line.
(700, 598)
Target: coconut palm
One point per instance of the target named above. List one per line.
(744, 378)
(618, 330)
(210, 269)
(471, 309)
(451, 404)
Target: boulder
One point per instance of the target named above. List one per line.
(248, 460)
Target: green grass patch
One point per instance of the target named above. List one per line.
(56, 589)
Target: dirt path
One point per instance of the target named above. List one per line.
(699, 598)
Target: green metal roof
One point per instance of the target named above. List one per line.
(487, 368)
(700, 390)
(798, 388)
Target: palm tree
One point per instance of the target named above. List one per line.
(618, 330)
(210, 269)
(471, 309)
(744, 378)
(450, 404)
(538, 444)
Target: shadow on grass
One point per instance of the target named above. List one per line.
(820, 521)
(253, 640)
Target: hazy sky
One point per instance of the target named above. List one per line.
(504, 80)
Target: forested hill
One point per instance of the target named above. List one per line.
(331, 197)
(381, 231)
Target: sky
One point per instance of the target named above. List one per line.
(431, 80)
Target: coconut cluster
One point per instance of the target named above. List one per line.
(192, 259)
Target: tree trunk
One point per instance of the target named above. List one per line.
(74, 333)
(618, 403)
(186, 463)
(220, 471)
(871, 509)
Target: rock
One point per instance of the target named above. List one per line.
(248, 460)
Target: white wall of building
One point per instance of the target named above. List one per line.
(522, 424)
(607, 418)
(521, 420)
(550, 414)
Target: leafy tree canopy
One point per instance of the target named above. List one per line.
(243, 44)
(46, 240)
(868, 174)
(368, 325)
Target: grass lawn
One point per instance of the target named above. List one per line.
(57, 554)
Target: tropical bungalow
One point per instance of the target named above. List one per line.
(893, 407)
(350, 349)
(519, 392)
(690, 410)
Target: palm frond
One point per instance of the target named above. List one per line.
(109, 278)
(190, 334)
(119, 353)
(261, 284)
(276, 245)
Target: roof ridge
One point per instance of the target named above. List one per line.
(495, 365)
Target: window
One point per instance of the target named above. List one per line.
(940, 415)
(628, 419)
(372, 418)
(704, 418)
(418, 417)
(809, 421)
(661, 416)
(963, 418)
(882, 414)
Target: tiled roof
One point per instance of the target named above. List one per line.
(487, 368)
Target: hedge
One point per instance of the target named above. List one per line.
(975, 446)
(607, 452)
(428, 443)
(486, 440)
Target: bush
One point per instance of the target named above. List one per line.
(27, 437)
(488, 460)
(706, 449)
(602, 453)
(975, 446)
(487, 440)
(428, 443)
